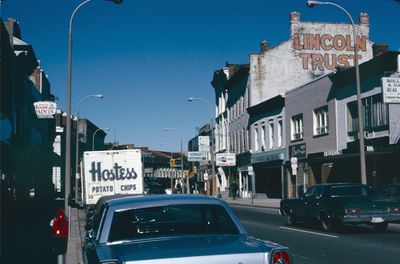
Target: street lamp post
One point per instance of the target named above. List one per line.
(68, 121)
(77, 141)
(190, 99)
(172, 180)
(97, 130)
(180, 138)
(359, 102)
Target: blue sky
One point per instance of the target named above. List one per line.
(148, 56)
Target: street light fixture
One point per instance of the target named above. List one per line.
(191, 99)
(180, 138)
(359, 102)
(172, 180)
(97, 130)
(99, 96)
(68, 121)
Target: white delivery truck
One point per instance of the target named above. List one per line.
(111, 172)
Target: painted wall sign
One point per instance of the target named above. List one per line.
(327, 51)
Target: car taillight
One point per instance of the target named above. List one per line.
(353, 211)
(280, 257)
(394, 210)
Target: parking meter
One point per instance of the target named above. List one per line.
(59, 226)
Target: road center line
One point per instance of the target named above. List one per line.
(308, 232)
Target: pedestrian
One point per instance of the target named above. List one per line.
(234, 188)
(178, 188)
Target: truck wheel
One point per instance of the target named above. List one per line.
(381, 227)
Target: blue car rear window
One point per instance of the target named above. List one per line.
(171, 220)
(352, 191)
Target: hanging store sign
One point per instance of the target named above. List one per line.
(391, 90)
(204, 143)
(45, 109)
(226, 159)
(298, 151)
(197, 156)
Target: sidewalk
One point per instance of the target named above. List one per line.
(256, 202)
(77, 236)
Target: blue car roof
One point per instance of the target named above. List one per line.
(161, 199)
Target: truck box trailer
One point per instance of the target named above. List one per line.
(111, 172)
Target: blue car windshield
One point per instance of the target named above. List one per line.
(170, 221)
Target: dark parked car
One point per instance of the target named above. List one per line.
(332, 205)
(173, 229)
(392, 191)
(152, 186)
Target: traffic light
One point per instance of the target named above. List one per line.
(172, 163)
(194, 169)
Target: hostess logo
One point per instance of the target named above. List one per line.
(116, 173)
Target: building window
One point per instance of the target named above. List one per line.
(297, 127)
(246, 140)
(321, 121)
(280, 134)
(231, 142)
(271, 135)
(375, 113)
(234, 142)
(256, 138)
(242, 104)
(241, 140)
(263, 132)
(352, 117)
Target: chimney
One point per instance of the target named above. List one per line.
(364, 19)
(294, 17)
(264, 46)
(379, 49)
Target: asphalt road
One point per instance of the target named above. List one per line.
(308, 244)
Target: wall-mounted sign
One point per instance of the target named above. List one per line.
(335, 152)
(226, 159)
(298, 151)
(45, 109)
(391, 90)
(204, 143)
(197, 156)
